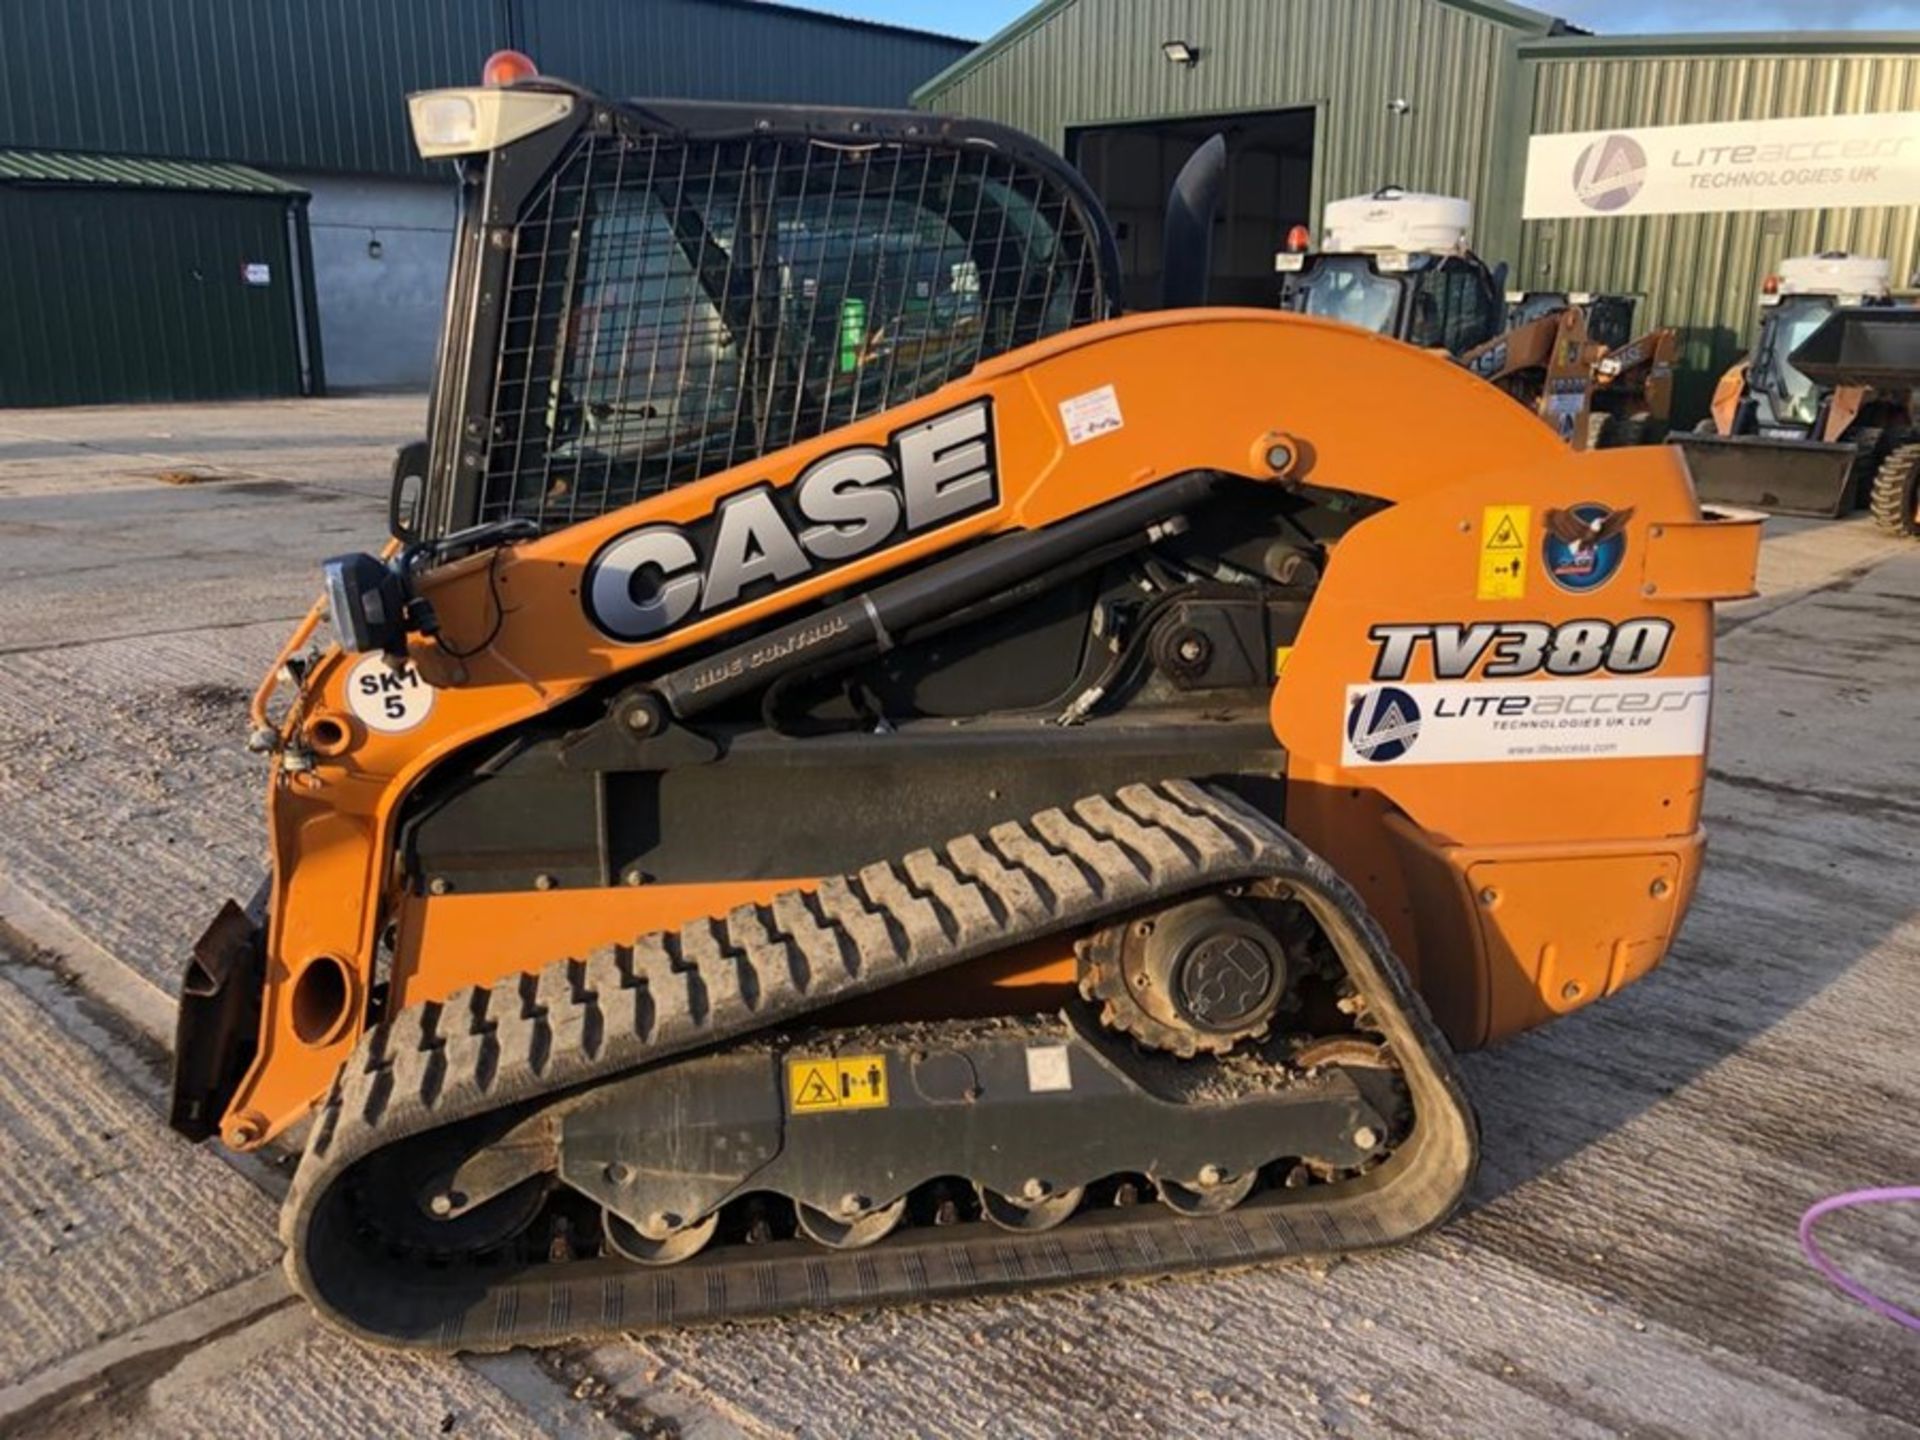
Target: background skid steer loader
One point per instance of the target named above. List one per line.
(1625, 380)
(1874, 349)
(1780, 438)
(1399, 264)
(867, 775)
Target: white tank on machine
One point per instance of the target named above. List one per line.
(1852, 278)
(1396, 221)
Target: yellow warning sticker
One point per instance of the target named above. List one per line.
(1506, 533)
(846, 1082)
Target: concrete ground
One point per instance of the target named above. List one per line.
(1627, 1265)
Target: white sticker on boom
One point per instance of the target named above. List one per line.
(1047, 1068)
(1091, 415)
(388, 698)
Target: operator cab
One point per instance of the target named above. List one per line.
(1397, 263)
(1609, 317)
(1808, 288)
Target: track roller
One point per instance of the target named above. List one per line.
(1041, 1211)
(1214, 1195)
(855, 1227)
(662, 1239)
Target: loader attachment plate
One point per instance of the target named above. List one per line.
(1790, 477)
(219, 1018)
(1349, 1161)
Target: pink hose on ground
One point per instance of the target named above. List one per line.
(1892, 1195)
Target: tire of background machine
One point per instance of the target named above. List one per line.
(1597, 423)
(1652, 431)
(1896, 491)
(1705, 427)
(1869, 449)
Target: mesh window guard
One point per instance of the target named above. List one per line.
(679, 306)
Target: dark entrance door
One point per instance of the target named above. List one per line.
(1269, 189)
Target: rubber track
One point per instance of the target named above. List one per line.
(577, 1021)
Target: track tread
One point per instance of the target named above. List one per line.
(715, 979)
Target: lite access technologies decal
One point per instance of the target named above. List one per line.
(1615, 711)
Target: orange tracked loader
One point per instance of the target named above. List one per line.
(867, 775)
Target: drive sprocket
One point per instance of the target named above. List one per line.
(1199, 977)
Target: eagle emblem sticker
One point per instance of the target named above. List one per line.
(1583, 545)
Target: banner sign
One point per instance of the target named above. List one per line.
(1813, 163)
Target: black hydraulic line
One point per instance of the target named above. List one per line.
(876, 617)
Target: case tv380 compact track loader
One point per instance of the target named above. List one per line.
(866, 775)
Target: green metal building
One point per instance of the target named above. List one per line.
(202, 198)
(1325, 98)
(142, 280)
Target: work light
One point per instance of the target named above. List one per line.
(367, 603)
(466, 122)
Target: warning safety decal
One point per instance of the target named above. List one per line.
(1504, 531)
(1473, 722)
(845, 1082)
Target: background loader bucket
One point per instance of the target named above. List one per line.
(1872, 345)
(1793, 477)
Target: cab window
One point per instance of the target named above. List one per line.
(1452, 310)
(1346, 289)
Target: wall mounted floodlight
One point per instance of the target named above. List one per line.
(1400, 105)
(1181, 52)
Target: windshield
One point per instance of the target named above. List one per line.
(1344, 288)
(1792, 397)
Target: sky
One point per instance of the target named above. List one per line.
(977, 19)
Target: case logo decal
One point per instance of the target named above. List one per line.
(848, 504)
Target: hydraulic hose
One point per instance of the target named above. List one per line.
(1889, 1195)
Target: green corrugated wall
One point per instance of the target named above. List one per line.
(1095, 61)
(112, 295)
(309, 85)
(288, 84)
(1701, 273)
(697, 48)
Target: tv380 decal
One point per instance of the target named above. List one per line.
(1599, 700)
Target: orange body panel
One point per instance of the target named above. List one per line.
(1846, 406)
(1727, 393)
(1197, 390)
(446, 942)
